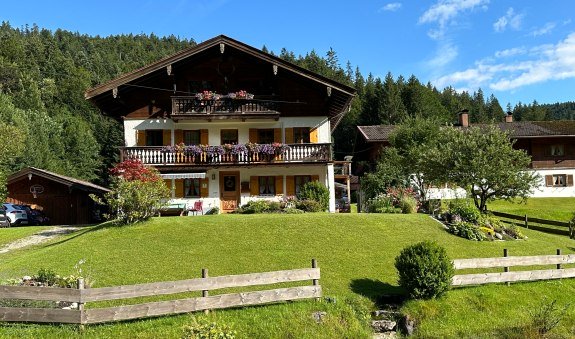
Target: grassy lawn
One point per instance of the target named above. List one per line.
(8, 235)
(560, 209)
(354, 251)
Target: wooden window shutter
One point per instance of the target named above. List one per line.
(141, 138)
(204, 187)
(254, 186)
(279, 185)
(569, 180)
(167, 137)
(179, 188)
(204, 140)
(289, 135)
(178, 136)
(315, 178)
(548, 180)
(290, 185)
(253, 137)
(313, 137)
(277, 135)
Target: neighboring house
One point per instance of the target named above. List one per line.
(551, 145)
(63, 199)
(223, 92)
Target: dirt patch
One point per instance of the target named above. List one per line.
(37, 238)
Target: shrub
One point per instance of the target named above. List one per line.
(382, 204)
(259, 206)
(309, 206)
(137, 192)
(315, 191)
(46, 277)
(463, 209)
(424, 269)
(208, 330)
(466, 230)
(212, 211)
(408, 204)
(292, 210)
(547, 316)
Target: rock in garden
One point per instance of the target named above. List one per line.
(407, 325)
(383, 325)
(386, 314)
(26, 278)
(499, 236)
(318, 316)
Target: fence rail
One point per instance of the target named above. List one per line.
(539, 224)
(507, 276)
(151, 309)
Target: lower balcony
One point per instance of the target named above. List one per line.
(294, 153)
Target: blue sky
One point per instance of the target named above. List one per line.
(519, 50)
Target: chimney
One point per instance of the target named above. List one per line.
(509, 117)
(464, 118)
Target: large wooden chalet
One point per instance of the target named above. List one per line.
(551, 145)
(240, 124)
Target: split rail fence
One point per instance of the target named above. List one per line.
(508, 276)
(557, 227)
(158, 308)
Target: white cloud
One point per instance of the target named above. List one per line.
(546, 29)
(543, 63)
(391, 7)
(446, 12)
(510, 52)
(446, 53)
(510, 19)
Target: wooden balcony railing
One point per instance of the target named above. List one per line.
(296, 153)
(342, 167)
(191, 107)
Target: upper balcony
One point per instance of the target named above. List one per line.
(222, 107)
(293, 153)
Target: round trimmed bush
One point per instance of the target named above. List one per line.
(425, 270)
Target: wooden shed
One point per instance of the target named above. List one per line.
(63, 199)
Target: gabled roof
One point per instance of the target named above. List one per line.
(62, 179)
(516, 129)
(161, 64)
(376, 133)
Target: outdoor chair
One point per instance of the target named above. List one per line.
(198, 207)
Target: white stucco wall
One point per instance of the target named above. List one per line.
(321, 123)
(553, 192)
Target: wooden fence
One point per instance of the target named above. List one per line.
(508, 276)
(560, 227)
(152, 309)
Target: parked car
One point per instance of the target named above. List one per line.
(16, 214)
(4, 220)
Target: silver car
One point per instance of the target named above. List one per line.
(16, 214)
(4, 220)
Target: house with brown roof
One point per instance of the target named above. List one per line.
(551, 145)
(226, 123)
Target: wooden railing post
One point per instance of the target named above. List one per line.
(526, 222)
(506, 254)
(315, 282)
(81, 286)
(558, 253)
(205, 293)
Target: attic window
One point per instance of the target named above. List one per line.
(557, 150)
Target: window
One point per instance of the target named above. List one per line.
(154, 137)
(192, 137)
(301, 180)
(191, 188)
(301, 135)
(229, 136)
(265, 136)
(559, 180)
(557, 150)
(267, 185)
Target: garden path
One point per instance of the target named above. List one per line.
(37, 238)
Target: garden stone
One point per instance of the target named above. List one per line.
(26, 278)
(318, 316)
(383, 325)
(385, 335)
(387, 314)
(499, 236)
(407, 325)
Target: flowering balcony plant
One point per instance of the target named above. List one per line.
(233, 149)
(207, 95)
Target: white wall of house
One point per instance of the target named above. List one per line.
(321, 123)
(543, 191)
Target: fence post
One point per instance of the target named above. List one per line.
(526, 222)
(205, 293)
(570, 230)
(315, 282)
(558, 253)
(81, 286)
(506, 254)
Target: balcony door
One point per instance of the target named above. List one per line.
(229, 191)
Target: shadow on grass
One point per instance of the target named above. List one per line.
(81, 232)
(380, 293)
